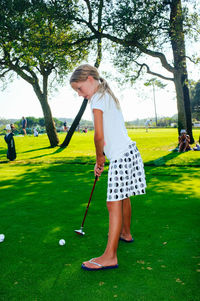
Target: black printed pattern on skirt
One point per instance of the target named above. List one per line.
(126, 175)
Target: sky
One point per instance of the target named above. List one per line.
(19, 99)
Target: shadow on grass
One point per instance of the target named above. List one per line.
(3, 150)
(57, 151)
(3, 153)
(47, 203)
(36, 149)
(164, 159)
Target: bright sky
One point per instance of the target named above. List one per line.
(20, 100)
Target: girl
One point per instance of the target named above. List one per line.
(126, 174)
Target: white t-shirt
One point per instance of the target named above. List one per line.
(116, 138)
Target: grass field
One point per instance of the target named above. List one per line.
(43, 196)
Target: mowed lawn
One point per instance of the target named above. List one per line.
(43, 196)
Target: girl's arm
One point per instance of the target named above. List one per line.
(99, 141)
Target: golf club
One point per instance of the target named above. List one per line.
(80, 232)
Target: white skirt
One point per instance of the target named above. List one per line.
(126, 175)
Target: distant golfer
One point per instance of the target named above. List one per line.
(11, 153)
(24, 125)
(147, 124)
(126, 174)
(35, 132)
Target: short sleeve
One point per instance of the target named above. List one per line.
(98, 102)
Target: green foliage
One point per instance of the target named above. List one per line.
(34, 41)
(155, 82)
(40, 46)
(141, 25)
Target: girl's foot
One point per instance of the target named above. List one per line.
(100, 263)
(126, 237)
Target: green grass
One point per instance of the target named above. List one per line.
(43, 196)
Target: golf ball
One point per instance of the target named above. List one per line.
(61, 242)
(2, 236)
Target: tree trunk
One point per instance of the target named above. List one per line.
(187, 104)
(180, 74)
(180, 102)
(75, 124)
(49, 123)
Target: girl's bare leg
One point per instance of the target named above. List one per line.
(109, 256)
(126, 221)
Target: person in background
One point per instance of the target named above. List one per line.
(184, 141)
(35, 132)
(197, 147)
(11, 153)
(65, 126)
(24, 125)
(147, 124)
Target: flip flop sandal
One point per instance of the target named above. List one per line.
(125, 240)
(101, 267)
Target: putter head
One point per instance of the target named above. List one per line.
(79, 232)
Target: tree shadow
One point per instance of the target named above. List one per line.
(36, 149)
(59, 150)
(164, 159)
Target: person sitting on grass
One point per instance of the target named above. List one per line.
(197, 147)
(184, 141)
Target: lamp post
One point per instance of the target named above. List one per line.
(154, 82)
(154, 101)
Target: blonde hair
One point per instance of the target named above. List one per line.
(83, 71)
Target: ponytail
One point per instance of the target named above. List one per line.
(104, 87)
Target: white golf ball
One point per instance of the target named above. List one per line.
(2, 236)
(61, 242)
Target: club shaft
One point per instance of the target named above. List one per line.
(96, 178)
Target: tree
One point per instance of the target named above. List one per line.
(195, 100)
(98, 37)
(141, 29)
(39, 47)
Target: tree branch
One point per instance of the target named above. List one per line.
(88, 39)
(89, 10)
(21, 73)
(100, 15)
(99, 38)
(143, 49)
(151, 72)
(4, 73)
(191, 60)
